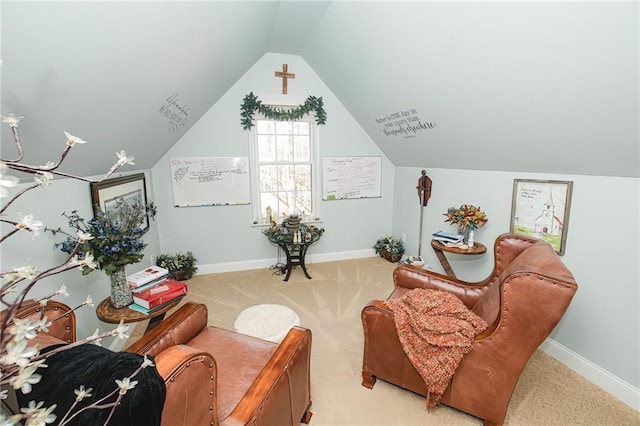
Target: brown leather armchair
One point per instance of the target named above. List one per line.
(214, 376)
(522, 300)
(218, 377)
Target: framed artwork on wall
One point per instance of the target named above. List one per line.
(540, 208)
(131, 189)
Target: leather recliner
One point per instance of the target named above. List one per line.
(522, 300)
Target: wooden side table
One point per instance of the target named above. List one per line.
(107, 313)
(440, 248)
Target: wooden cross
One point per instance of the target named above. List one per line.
(285, 75)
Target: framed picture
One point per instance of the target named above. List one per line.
(540, 208)
(131, 189)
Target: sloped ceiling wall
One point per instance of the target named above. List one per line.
(548, 87)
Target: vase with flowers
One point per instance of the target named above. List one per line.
(114, 239)
(468, 218)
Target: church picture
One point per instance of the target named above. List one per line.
(540, 208)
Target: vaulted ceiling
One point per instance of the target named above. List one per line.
(548, 87)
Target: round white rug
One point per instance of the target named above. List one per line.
(267, 321)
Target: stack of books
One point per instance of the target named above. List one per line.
(153, 289)
(448, 237)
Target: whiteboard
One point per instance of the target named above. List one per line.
(351, 177)
(209, 181)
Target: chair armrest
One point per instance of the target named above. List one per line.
(281, 394)
(411, 277)
(179, 328)
(63, 319)
(190, 378)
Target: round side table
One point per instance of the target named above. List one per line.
(107, 313)
(440, 248)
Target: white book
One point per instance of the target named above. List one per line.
(147, 275)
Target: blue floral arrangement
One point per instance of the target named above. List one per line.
(113, 239)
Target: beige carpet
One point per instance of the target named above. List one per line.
(548, 393)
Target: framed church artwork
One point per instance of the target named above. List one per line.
(132, 189)
(540, 208)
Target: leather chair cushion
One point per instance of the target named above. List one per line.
(234, 353)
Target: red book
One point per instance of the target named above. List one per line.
(160, 293)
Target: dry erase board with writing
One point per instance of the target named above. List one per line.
(351, 177)
(207, 181)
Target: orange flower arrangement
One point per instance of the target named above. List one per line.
(466, 216)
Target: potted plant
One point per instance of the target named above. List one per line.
(181, 266)
(390, 248)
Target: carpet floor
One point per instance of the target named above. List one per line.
(548, 393)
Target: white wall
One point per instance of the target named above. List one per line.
(47, 205)
(221, 237)
(602, 325)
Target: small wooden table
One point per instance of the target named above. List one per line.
(107, 313)
(295, 252)
(440, 248)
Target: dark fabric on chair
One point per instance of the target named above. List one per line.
(98, 368)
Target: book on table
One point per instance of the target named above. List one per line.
(447, 237)
(146, 311)
(147, 276)
(161, 293)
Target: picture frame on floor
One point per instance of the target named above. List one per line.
(540, 208)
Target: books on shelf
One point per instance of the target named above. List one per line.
(447, 237)
(163, 292)
(146, 311)
(147, 276)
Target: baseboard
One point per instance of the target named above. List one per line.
(620, 389)
(595, 374)
(310, 259)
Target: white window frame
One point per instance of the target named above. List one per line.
(286, 101)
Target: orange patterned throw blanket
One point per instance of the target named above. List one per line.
(436, 330)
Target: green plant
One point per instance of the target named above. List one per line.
(181, 266)
(392, 245)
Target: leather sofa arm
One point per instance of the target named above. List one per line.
(179, 328)
(283, 386)
(190, 396)
(411, 277)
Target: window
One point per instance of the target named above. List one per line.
(282, 160)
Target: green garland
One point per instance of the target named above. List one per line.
(251, 104)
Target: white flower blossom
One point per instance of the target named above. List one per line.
(126, 384)
(63, 291)
(48, 165)
(18, 353)
(38, 416)
(4, 394)
(82, 393)
(5, 180)
(121, 330)
(22, 329)
(89, 301)
(10, 421)
(23, 272)
(123, 159)
(147, 362)
(28, 223)
(87, 261)
(73, 140)
(43, 178)
(84, 236)
(11, 120)
(25, 378)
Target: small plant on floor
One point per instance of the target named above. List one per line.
(181, 266)
(391, 248)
